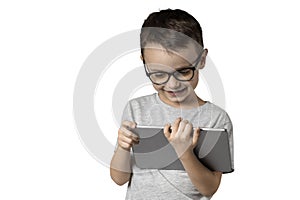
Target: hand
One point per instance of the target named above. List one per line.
(126, 138)
(181, 137)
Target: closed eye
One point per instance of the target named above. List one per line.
(158, 74)
(184, 71)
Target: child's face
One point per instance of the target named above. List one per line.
(175, 92)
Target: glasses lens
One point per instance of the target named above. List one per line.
(159, 77)
(184, 74)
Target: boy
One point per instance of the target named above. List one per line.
(172, 52)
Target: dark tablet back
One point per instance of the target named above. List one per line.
(155, 152)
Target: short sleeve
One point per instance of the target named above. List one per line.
(127, 113)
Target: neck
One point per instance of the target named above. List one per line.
(192, 102)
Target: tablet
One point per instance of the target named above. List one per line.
(155, 152)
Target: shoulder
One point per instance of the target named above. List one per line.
(213, 107)
(143, 100)
(135, 107)
(217, 112)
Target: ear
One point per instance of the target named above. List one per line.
(142, 58)
(203, 59)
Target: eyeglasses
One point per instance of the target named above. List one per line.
(183, 74)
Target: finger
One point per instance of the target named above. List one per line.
(125, 145)
(167, 131)
(124, 131)
(182, 126)
(129, 124)
(196, 136)
(188, 129)
(128, 140)
(176, 125)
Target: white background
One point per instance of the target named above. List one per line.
(254, 44)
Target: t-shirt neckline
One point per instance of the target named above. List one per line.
(174, 108)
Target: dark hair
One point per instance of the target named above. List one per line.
(167, 27)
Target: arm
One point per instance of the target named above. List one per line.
(120, 171)
(206, 181)
(120, 166)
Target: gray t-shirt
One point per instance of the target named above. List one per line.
(169, 184)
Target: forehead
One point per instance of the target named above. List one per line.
(155, 54)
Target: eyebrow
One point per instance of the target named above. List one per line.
(181, 68)
(185, 67)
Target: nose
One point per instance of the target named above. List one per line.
(173, 83)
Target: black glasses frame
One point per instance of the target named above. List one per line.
(193, 67)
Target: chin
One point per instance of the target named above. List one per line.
(177, 99)
(174, 98)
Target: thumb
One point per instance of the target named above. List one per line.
(196, 136)
(167, 132)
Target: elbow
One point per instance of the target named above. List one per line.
(211, 189)
(118, 181)
(119, 178)
(209, 193)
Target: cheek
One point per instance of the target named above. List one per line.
(157, 87)
(194, 81)
(192, 84)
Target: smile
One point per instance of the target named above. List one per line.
(175, 93)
